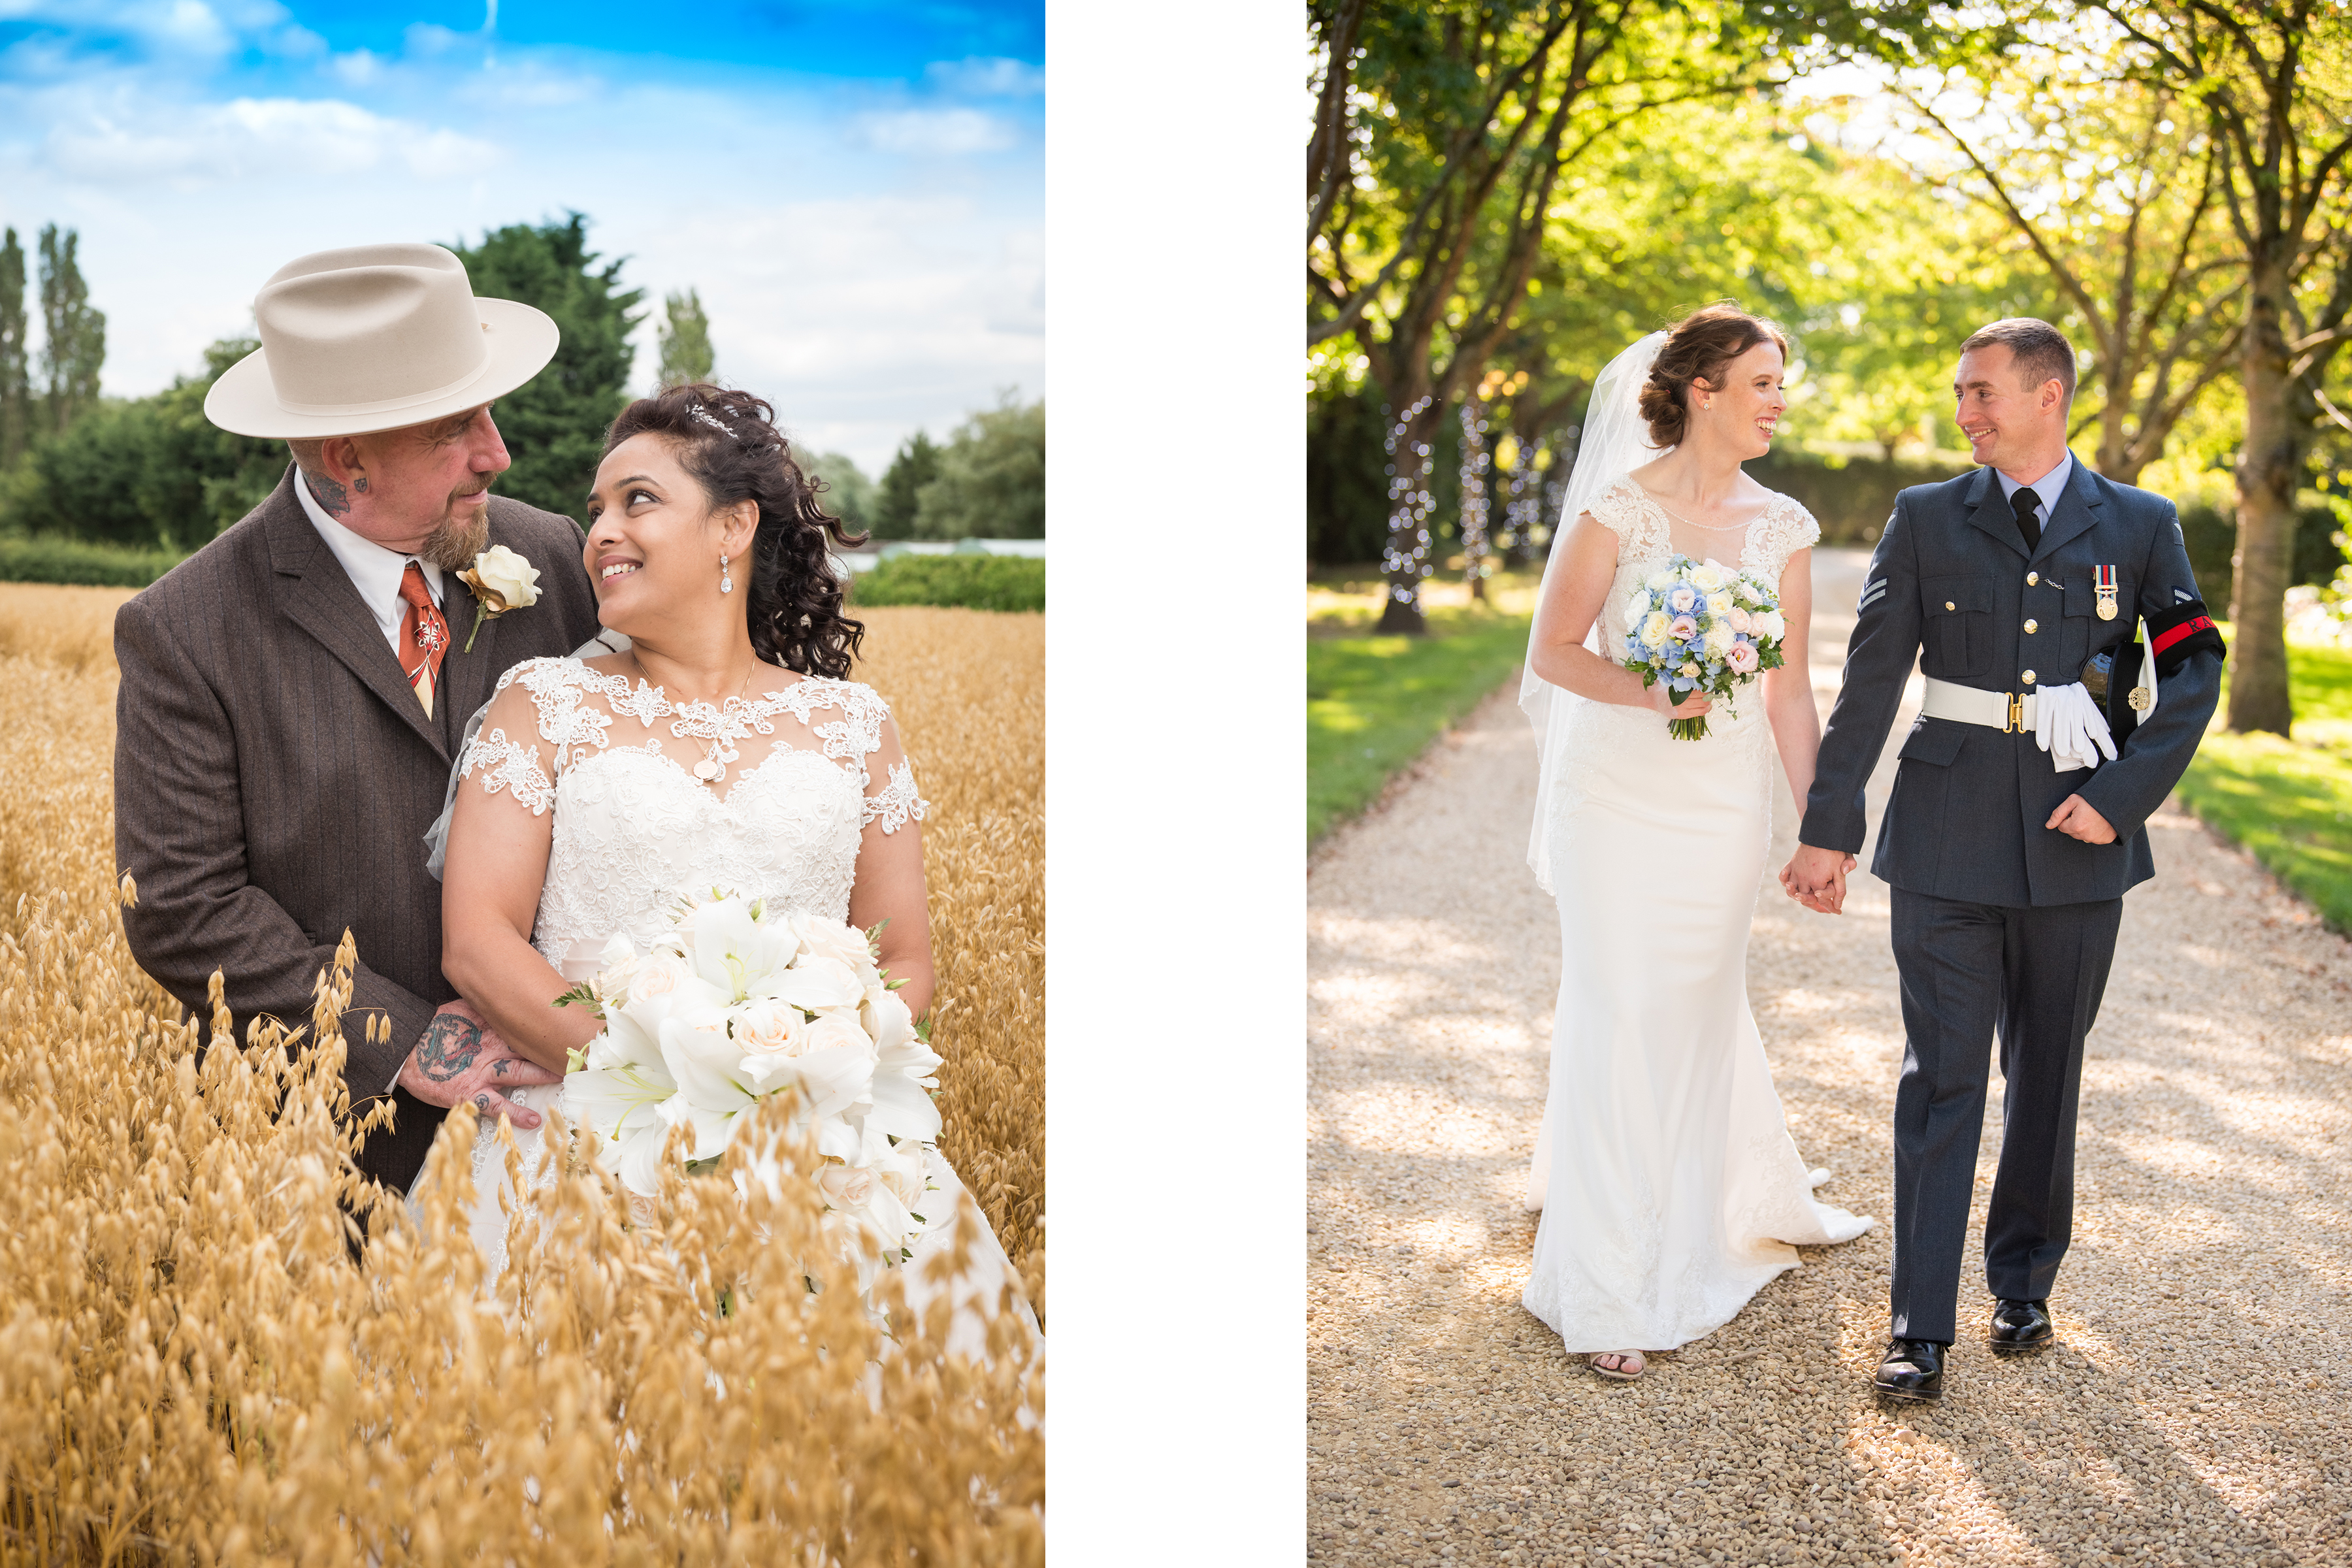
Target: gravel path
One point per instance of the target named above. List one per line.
(2194, 1411)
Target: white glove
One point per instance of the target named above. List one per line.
(2068, 725)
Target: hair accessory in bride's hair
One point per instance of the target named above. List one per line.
(711, 419)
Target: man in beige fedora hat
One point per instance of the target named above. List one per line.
(293, 693)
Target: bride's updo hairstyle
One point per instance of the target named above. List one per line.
(1697, 349)
(729, 442)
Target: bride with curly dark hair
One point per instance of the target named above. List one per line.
(723, 743)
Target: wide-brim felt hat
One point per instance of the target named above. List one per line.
(375, 336)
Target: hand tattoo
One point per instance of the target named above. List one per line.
(450, 1047)
(500, 1066)
(482, 1103)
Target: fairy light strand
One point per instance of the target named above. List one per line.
(1406, 559)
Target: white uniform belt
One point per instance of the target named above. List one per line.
(1994, 710)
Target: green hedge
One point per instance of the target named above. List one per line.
(52, 560)
(969, 582)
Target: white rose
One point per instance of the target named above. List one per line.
(1718, 604)
(502, 580)
(1771, 624)
(835, 1031)
(845, 944)
(1661, 579)
(1653, 628)
(1709, 577)
(1719, 640)
(1635, 608)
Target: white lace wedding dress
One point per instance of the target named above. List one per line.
(635, 826)
(1670, 1188)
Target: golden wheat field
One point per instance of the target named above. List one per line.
(193, 1370)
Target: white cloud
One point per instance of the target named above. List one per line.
(250, 138)
(358, 69)
(933, 132)
(979, 76)
(533, 84)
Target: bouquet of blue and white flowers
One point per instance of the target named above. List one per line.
(1702, 627)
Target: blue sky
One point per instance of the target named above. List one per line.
(856, 188)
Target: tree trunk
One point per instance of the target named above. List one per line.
(1412, 438)
(2267, 471)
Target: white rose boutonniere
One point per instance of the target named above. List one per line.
(501, 581)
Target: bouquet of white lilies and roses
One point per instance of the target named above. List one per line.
(741, 1000)
(1702, 626)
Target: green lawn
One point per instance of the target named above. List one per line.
(2290, 801)
(1373, 703)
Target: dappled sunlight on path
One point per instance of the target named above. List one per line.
(2191, 1412)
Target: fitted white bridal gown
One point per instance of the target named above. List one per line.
(1670, 1188)
(634, 827)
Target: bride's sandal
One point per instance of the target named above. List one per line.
(1629, 1365)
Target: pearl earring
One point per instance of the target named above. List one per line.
(726, 584)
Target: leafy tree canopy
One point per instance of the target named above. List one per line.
(554, 424)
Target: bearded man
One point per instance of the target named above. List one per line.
(293, 693)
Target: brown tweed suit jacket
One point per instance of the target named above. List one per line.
(274, 775)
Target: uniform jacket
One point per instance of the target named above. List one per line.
(274, 775)
(1953, 584)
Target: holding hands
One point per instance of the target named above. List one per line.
(462, 1058)
(1816, 878)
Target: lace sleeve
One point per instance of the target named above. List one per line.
(896, 804)
(1623, 509)
(504, 763)
(1787, 528)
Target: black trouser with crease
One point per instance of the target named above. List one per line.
(2034, 977)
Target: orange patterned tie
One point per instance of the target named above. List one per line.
(424, 636)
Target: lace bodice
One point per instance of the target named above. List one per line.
(1641, 525)
(770, 795)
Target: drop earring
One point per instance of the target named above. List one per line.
(726, 584)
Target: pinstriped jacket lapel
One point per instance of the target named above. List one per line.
(311, 590)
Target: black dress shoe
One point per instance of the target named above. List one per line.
(2020, 1326)
(1913, 1369)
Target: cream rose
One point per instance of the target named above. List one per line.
(1709, 577)
(847, 1186)
(1653, 628)
(502, 580)
(772, 1028)
(1718, 604)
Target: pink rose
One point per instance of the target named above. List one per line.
(1742, 657)
(1740, 620)
(1682, 629)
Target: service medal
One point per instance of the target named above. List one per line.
(2140, 700)
(2107, 585)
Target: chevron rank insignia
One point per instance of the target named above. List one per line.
(1871, 594)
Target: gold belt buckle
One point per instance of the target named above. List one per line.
(2016, 725)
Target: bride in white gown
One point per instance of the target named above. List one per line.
(720, 746)
(1671, 1190)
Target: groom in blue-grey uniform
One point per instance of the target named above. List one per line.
(2016, 822)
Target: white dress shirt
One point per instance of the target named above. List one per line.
(2049, 486)
(374, 571)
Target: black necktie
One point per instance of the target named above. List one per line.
(2028, 504)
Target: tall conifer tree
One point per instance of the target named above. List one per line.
(16, 374)
(74, 349)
